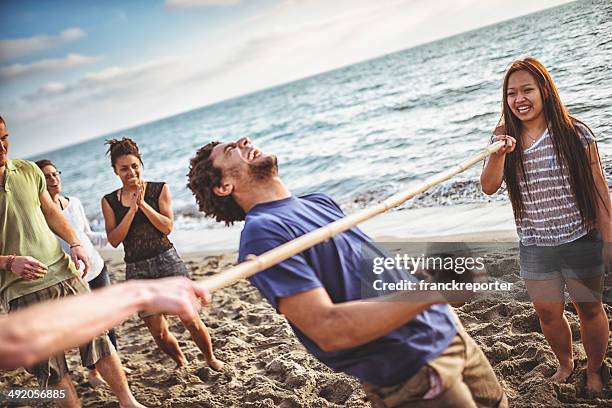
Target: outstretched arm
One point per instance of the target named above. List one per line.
(32, 334)
(344, 325)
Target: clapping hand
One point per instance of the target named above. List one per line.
(136, 198)
(140, 192)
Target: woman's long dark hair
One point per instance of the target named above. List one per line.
(569, 149)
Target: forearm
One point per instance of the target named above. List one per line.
(60, 226)
(604, 221)
(604, 204)
(493, 174)
(159, 221)
(28, 336)
(355, 323)
(117, 235)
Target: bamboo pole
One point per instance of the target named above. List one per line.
(256, 264)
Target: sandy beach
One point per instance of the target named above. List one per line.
(267, 367)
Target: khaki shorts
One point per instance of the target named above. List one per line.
(462, 373)
(51, 371)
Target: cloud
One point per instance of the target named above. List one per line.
(128, 73)
(46, 65)
(54, 87)
(108, 81)
(98, 102)
(18, 47)
(200, 3)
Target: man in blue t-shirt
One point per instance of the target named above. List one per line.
(406, 353)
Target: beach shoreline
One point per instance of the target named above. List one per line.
(482, 222)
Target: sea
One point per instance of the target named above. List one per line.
(365, 131)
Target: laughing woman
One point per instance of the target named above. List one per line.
(561, 205)
(139, 215)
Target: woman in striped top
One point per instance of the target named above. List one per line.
(561, 205)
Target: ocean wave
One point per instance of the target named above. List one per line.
(476, 117)
(443, 195)
(447, 96)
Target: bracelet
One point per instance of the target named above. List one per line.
(9, 262)
(75, 245)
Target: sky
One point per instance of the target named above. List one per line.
(74, 70)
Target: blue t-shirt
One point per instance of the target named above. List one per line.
(335, 265)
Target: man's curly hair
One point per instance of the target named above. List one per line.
(203, 177)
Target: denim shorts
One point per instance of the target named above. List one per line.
(579, 259)
(161, 266)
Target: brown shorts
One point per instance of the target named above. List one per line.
(50, 372)
(464, 374)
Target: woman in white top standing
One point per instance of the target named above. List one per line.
(97, 277)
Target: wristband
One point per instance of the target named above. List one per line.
(9, 262)
(75, 245)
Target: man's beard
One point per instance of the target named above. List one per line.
(264, 169)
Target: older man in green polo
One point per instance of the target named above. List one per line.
(33, 268)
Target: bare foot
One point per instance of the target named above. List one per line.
(595, 381)
(181, 363)
(594, 385)
(216, 365)
(563, 373)
(95, 379)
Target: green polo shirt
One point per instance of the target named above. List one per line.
(24, 231)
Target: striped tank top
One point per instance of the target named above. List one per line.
(551, 214)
